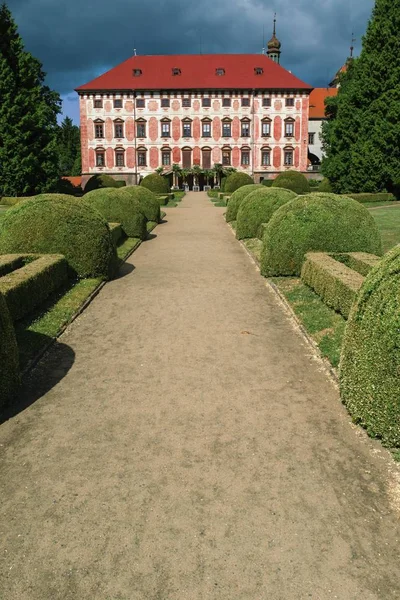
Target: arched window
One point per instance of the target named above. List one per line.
(265, 156)
(100, 157)
(118, 128)
(289, 127)
(206, 157)
(266, 127)
(245, 128)
(186, 158)
(119, 157)
(245, 156)
(141, 128)
(142, 156)
(166, 156)
(226, 156)
(288, 152)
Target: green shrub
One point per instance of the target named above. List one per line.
(292, 180)
(236, 181)
(378, 197)
(118, 206)
(97, 182)
(156, 183)
(120, 183)
(150, 206)
(57, 224)
(325, 186)
(333, 281)
(212, 193)
(361, 262)
(117, 232)
(12, 201)
(9, 361)
(163, 200)
(223, 183)
(327, 223)
(267, 182)
(257, 208)
(10, 262)
(237, 198)
(28, 287)
(314, 184)
(370, 360)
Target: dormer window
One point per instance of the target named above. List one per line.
(220, 71)
(137, 72)
(258, 70)
(176, 71)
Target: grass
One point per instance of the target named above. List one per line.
(378, 204)
(126, 248)
(388, 222)
(254, 246)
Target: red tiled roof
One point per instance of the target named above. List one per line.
(317, 97)
(197, 71)
(75, 181)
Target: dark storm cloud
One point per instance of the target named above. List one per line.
(79, 39)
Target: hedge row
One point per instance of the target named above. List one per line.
(370, 360)
(378, 197)
(28, 287)
(12, 201)
(362, 262)
(335, 283)
(10, 262)
(163, 200)
(9, 360)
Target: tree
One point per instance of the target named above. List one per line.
(177, 172)
(28, 118)
(362, 136)
(68, 148)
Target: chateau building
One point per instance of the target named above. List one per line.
(239, 110)
(316, 119)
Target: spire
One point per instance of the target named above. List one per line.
(274, 46)
(353, 39)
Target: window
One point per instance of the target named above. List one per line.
(141, 129)
(187, 129)
(289, 102)
(258, 70)
(117, 103)
(137, 72)
(164, 102)
(98, 103)
(141, 158)
(186, 103)
(311, 138)
(186, 158)
(289, 128)
(265, 158)
(226, 129)
(206, 102)
(166, 158)
(288, 158)
(266, 102)
(165, 129)
(220, 72)
(245, 158)
(206, 129)
(245, 129)
(245, 101)
(206, 158)
(226, 102)
(266, 128)
(119, 130)
(226, 157)
(119, 158)
(176, 71)
(99, 130)
(140, 103)
(100, 158)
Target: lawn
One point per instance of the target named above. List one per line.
(388, 221)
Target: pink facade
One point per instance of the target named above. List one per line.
(233, 127)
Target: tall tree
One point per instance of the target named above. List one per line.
(362, 136)
(28, 118)
(69, 144)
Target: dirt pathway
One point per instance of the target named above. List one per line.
(186, 445)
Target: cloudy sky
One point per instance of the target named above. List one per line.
(78, 40)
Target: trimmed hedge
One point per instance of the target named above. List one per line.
(361, 262)
(236, 181)
(326, 223)
(116, 206)
(370, 359)
(237, 198)
(267, 182)
(335, 283)
(292, 180)
(150, 206)
(162, 200)
(10, 262)
(117, 232)
(325, 186)
(156, 183)
(60, 224)
(28, 287)
(223, 183)
(12, 201)
(97, 182)
(378, 197)
(257, 208)
(9, 359)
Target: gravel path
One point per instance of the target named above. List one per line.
(185, 444)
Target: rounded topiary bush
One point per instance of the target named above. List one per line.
(60, 224)
(100, 181)
(156, 183)
(149, 203)
(116, 206)
(9, 361)
(236, 181)
(257, 208)
(292, 180)
(325, 186)
(237, 198)
(267, 182)
(370, 360)
(326, 223)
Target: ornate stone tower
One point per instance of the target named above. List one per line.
(274, 46)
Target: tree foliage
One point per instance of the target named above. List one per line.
(28, 117)
(69, 148)
(362, 135)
